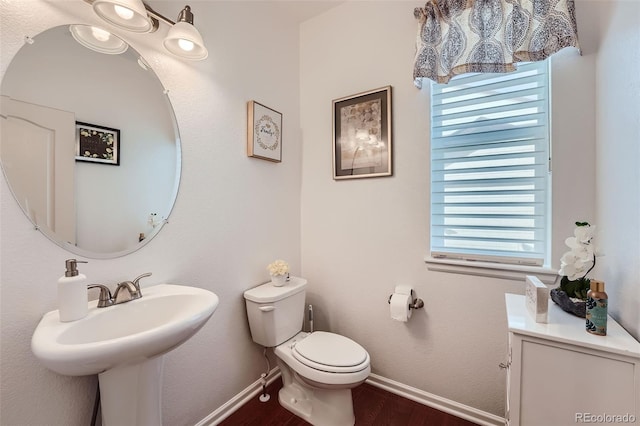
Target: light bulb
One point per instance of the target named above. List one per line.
(123, 12)
(97, 39)
(185, 45)
(100, 34)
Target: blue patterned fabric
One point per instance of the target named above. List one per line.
(462, 36)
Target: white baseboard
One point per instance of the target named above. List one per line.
(434, 401)
(425, 398)
(239, 400)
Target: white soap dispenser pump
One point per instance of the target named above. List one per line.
(72, 293)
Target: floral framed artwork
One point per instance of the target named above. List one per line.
(97, 144)
(362, 143)
(264, 132)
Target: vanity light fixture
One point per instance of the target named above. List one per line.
(126, 14)
(97, 39)
(183, 39)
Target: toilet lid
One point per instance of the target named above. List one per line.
(330, 352)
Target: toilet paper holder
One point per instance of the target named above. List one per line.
(415, 304)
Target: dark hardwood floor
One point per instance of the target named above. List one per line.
(373, 406)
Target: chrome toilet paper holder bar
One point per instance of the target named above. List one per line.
(416, 303)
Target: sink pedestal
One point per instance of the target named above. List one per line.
(131, 395)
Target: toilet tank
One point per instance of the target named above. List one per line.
(276, 313)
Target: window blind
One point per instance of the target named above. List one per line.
(490, 166)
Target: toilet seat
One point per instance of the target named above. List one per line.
(331, 353)
(318, 375)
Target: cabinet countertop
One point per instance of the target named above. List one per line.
(567, 328)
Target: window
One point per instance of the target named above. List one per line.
(490, 180)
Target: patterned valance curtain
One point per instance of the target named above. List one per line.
(461, 36)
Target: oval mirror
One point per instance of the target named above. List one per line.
(89, 145)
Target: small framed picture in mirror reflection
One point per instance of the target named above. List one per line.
(97, 144)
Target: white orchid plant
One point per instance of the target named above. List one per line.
(578, 262)
(279, 267)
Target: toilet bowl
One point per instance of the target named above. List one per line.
(318, 372)
(318, 369)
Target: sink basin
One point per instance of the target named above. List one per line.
(166, 316)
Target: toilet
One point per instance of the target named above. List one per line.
(319, 369)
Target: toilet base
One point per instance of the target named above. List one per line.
(320, 407)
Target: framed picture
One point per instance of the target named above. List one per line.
(97, 144)
(362, 135)
(264, 132)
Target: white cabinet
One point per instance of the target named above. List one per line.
(558, 374)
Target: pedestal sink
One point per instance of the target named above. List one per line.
(124, 345)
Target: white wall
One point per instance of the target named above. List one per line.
(233, 214)
(618, 154)
(358, 238)
(362, 237)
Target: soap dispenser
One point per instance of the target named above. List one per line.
(72, 293)
(597, 306)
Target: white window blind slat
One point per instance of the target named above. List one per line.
(525, 107)
(497, 136)
(494, 97)
(478, 83)
(492, 162)
(483, 124)
(509, 146)
(489, 166)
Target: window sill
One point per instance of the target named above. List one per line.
(495, 270)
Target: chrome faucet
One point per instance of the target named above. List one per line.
(132, 292)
